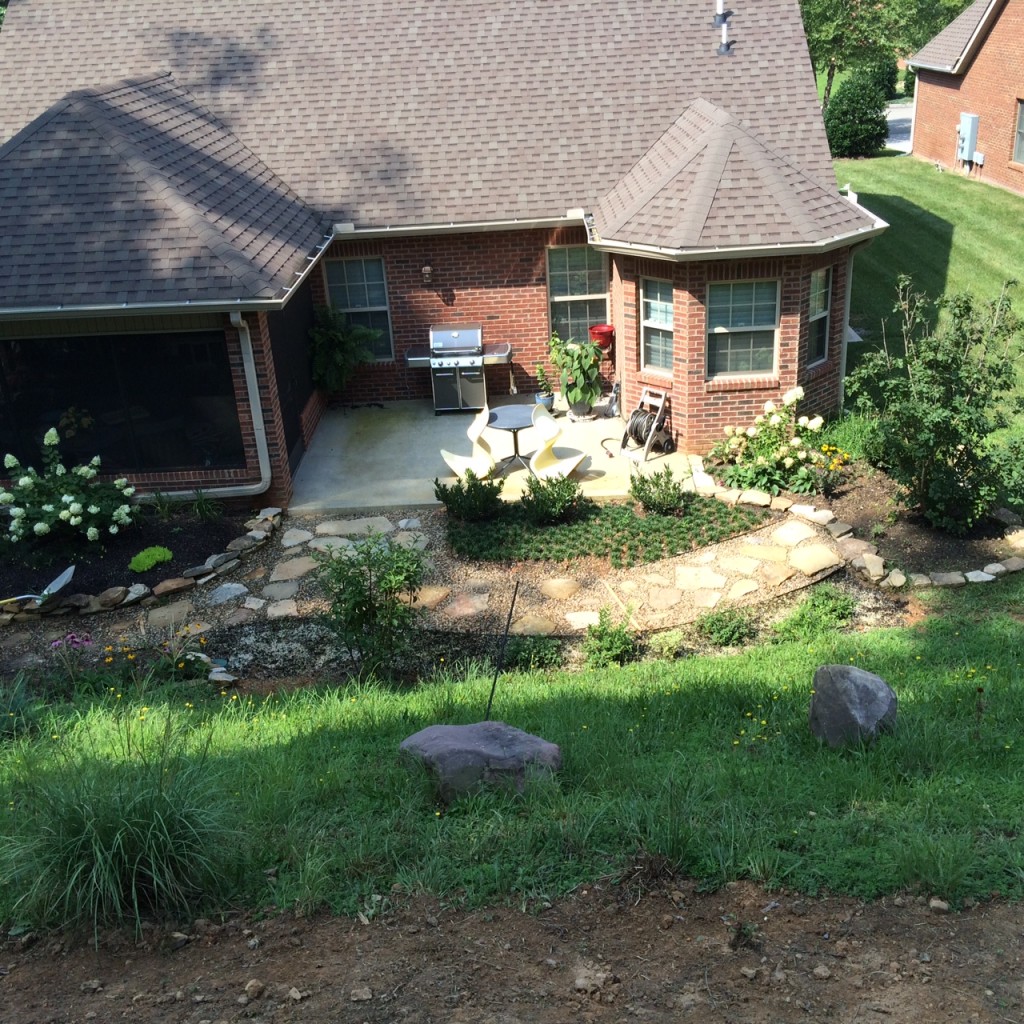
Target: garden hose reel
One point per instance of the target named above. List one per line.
(645, 427)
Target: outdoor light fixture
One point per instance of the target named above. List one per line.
(428, 273)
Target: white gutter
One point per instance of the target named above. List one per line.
(748, 251)
(231, 306)
(258, 425)
(346, 231)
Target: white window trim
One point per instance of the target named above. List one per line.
(366, 309)
(647, 367)
(1018, 137)
(825, 314)
(750, 328)
(589, 297)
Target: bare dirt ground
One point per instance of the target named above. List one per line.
(608, 954)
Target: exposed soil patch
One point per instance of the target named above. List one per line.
(870, 502)
(608, 954)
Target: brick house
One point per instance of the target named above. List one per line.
(969, 101)
(178, 192)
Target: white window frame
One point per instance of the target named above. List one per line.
(649, 324)
(1018, 139)
(385, 308)
(555, 300)
(752, 328)
(822, 314)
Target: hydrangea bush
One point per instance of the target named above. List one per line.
(779, 451)
(62, 502)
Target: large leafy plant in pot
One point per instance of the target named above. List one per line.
(338, 348)
(579, 363)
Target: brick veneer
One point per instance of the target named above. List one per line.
(500, 279)
(991, 87)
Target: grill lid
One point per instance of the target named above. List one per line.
(449, 338)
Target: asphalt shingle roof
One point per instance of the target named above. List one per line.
(400, 114)
(135, 194)
(946, 51)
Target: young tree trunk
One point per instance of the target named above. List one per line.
(830, 75)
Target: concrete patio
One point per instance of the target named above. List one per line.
(377, 457)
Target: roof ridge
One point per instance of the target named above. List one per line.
(90, 103)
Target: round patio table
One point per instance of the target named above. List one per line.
(512, 418)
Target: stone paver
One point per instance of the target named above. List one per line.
(741, 588)
(281, 591)
(744, 565)
(170, 616)
(661, 598)
(354, 527)
(533, 624)
(560, 588)
(793, 532)
(766, 552)
(810, 559)
(282, 610)
(430, 597)
(691, 577)
(467, 605)
(293, 568)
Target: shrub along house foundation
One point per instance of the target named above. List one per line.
(175, 199)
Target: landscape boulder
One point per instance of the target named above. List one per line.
(850, 706)
(463, 758)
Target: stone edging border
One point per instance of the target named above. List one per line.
(259, 530)
(862, 555)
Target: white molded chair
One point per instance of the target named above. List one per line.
(545, 461)
(480, 462)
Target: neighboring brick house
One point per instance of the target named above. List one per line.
(969, 101)
(180, 189)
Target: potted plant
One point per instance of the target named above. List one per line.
(545, 392)
(579, 363)
(338, 348)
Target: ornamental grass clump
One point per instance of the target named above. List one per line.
(778, 452)
(62, 503)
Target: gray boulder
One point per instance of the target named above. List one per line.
(850, 705)
(463, 758)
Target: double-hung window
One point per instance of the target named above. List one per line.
(656, 324)
(743, 321)
(818, 315)
(577, 291)
(357, 288)
(1018, 141)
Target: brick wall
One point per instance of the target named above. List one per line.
(991, 88)
(700, 407)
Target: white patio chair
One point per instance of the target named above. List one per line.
(546, 462)
(480, 462)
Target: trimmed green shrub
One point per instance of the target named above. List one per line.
(148, 557)
(532, 653)
(471, 500)
(555, 500)
(855, 119)
(909, 82)
(659, 492)
(885, 75)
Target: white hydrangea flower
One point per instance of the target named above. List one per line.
(40, 528)
(801, 455)
(17, 512)
(49, 508)
(76, 508)
(60, 470)
(6, 496)
(769, 407)
(93, 509)
(66, 499)
(788, 462)
(759, 418)
(114, 528)
(51, 438)
(775, 419)
(95, 462)
(121, 481)
(729, 431)
(816, 424)
(75, 520)
(10, 462)
(92, 533)
(64, 515)
(792, 395)
(751, 431)
(128, 491)
(802, 422)
(25, 482)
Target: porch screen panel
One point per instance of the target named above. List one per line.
(143, 403)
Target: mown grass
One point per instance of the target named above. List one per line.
(706, 762)
(948, 233)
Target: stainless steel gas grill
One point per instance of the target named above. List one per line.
(457, 366)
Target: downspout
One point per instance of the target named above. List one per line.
(258, 426)
(846, 328)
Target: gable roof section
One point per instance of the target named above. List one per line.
(692, 191)
(135, 194)
(954, 47)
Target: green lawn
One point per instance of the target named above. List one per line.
(300, 799)
(946, 232)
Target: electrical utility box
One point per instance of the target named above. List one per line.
(967, 136)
